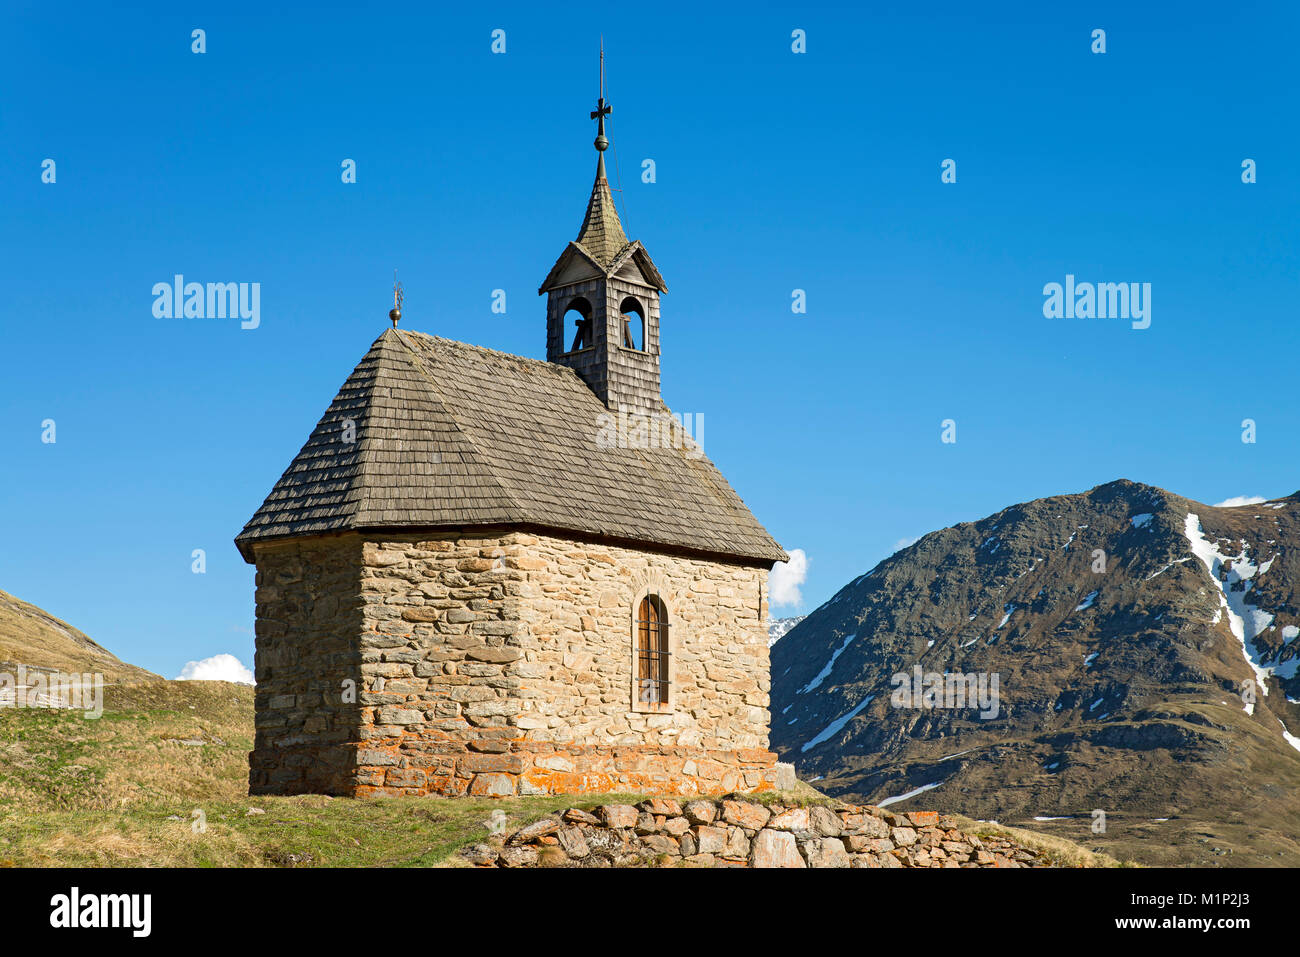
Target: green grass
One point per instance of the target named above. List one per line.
(122, 791)
(305, 831)
(1060, 852)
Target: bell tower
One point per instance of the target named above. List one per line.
(602, 299)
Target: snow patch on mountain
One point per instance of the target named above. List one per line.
(1232, 575)
(826, 670)
(836, 726)
(778, 627)
(1177, 561)
(1291, 739)
(910, 794)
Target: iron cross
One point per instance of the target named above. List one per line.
(601, 110)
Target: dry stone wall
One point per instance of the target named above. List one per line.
(735, 832)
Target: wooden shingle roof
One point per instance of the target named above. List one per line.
(449, 434)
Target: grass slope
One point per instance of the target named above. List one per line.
(131, 788)
(128, 789)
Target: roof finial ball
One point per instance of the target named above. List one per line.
(396, 312)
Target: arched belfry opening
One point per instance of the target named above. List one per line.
(632, 319)
(577, 316)
(602, 313)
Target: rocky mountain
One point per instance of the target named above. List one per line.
(1119, 666)
(777, 628)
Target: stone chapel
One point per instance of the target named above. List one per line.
(468, 583)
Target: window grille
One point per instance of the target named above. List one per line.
(652, 652)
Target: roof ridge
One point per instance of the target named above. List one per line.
(544, 364)
(357, 481)
(350, 490)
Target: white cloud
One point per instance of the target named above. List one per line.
(786, 577)
(217, 668)
(902, 543)
(1239, 500)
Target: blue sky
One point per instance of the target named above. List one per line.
(775, 171)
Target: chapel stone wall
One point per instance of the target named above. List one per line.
(308, 633)
(501, 663)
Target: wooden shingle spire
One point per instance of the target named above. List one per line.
(601, 241)
(602, 234)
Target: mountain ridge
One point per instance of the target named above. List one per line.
(1123, 635)
(36, 639)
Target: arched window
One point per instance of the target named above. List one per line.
(652, 653)
(580, 309)
(633, 324)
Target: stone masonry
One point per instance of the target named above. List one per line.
(308, 621)
(501, 663)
